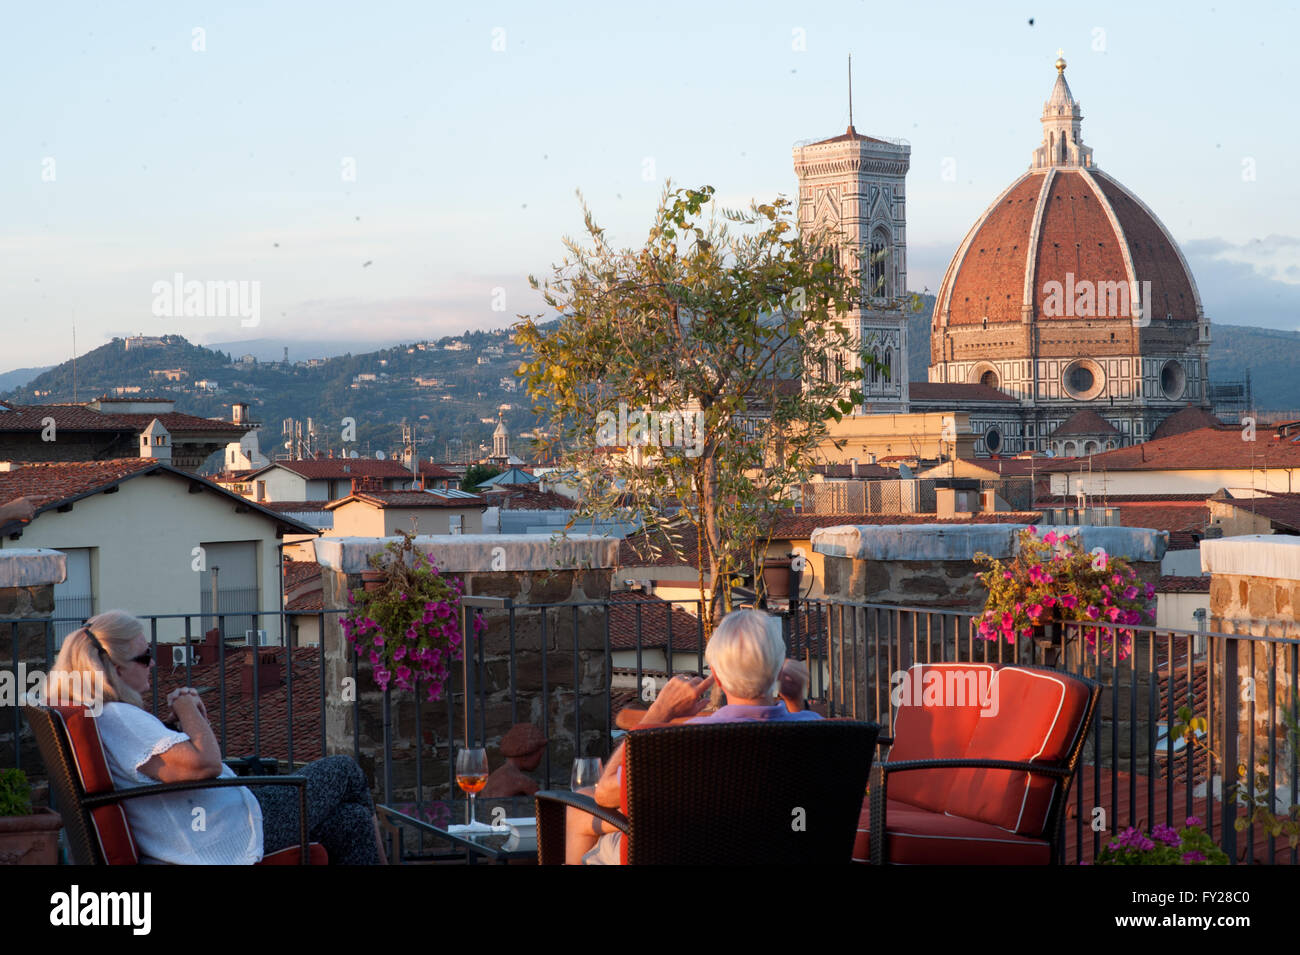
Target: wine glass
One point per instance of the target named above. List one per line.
(471, 775)
(586, 772)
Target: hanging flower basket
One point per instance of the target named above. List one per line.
(1053, 580)
(405, 619)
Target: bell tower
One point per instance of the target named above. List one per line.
(856, 185)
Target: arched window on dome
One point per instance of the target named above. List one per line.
(878, 265)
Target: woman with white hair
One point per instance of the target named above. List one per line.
(747, 660)
(238, 824)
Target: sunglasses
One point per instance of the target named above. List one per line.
(143, 659)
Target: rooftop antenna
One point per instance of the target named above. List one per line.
(74, 362)
(850, 91)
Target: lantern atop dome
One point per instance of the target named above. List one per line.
(1062, 120)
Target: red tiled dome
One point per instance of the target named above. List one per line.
(1067, 225)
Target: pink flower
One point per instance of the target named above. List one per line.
(1116, 579)
(374, 658)
(1130, 592)
(1092, 612)
(1113, 613)
(1151, 591)
(1007, 575)
(1035, 611)
(1069, 601)
(1008, 621)
(399, 654)
(1051, 537)
(1193, 821)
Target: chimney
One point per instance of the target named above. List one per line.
(853, 466)
(239, 412)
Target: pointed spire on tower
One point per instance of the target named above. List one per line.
(850, 92)
(1062, 121)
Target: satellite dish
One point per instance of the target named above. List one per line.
(379, 455)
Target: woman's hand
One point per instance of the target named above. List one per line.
(186, 698)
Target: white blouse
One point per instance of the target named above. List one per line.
(170, 827)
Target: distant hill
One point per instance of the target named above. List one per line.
(272, 349)
(450, 389)
(446, 389)
(19, 377)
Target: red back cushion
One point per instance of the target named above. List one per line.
(938, 709)
(90, 763)
(1038, 719)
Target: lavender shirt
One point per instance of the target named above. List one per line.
(734, 713)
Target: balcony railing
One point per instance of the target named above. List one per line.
(569, 667)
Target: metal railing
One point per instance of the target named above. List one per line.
(1134, 769)
(561, 666)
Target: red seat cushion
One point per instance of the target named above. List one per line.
(316, 855)
(90, 762)
(929, 724)
(1039, 717)
(919, 837)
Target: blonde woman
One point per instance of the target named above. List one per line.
(236, 825)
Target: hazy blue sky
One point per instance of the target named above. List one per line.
(169, 159)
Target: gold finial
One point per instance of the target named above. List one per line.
(1060, 61)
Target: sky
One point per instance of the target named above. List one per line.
(393, 171)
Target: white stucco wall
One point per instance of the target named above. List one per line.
(359, 519)
(1206, 481)
(143, 538)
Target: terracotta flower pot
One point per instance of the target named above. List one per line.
(776, 578)
(30, 840)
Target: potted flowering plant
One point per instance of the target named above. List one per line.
(1164, 845)
(1052, 578)
(409, 625)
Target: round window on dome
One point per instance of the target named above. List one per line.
(1083, 380)
(1173, 380)
(993, 440)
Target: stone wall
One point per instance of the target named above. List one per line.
(547, 585)
(27, 579)
(1254, 591)
(931, 567)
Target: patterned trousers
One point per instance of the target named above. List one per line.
(339, 812)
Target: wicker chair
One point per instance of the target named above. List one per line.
(973, 785)
(731, 793)
(93, 817)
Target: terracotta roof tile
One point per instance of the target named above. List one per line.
(342, 468)
(385, 499)
(1281, 510)
(866, 472)
(1166, 516)
(1171, 584)
(655, 615)
(991, 280)
(1085, 421)
(1217, 448)
(1186, 419)
(48, 483)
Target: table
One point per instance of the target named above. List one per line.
(434, 816)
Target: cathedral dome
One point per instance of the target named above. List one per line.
(1057, 244)
(1065, 241)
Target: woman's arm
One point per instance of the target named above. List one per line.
(198, 758)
